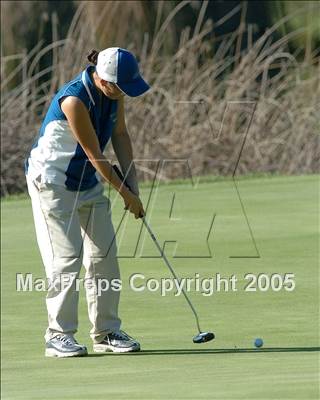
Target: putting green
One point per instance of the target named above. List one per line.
(283, 215)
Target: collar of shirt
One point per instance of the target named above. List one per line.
(91, 86)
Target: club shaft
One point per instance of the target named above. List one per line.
(172, 271)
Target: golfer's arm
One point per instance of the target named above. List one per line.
(121, 143)
(81, 126)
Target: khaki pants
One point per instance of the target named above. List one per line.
(75, 228)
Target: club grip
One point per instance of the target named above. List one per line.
(121, 177)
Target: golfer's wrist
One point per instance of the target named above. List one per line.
(124, 192)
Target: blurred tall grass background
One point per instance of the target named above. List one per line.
(204, 86)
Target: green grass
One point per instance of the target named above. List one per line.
(284, 217)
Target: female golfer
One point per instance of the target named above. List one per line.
(71, 214)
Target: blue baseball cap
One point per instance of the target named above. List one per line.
(119, 66)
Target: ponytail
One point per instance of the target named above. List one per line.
(93, 56)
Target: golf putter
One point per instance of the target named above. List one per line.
(201, 337)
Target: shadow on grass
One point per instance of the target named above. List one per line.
(212, 351)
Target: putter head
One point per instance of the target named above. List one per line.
(203, 337)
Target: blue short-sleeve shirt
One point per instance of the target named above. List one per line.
(56, 156)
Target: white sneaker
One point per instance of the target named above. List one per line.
(64, 346)
(117, 342)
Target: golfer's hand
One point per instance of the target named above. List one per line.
(134, 205)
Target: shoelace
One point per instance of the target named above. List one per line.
(119, 335)
(67, 340)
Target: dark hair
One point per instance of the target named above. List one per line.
(93, 56)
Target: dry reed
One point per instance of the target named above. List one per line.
(203, 94)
